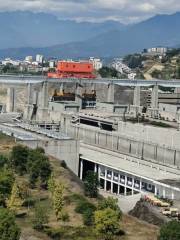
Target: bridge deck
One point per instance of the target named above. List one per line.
(22, 79)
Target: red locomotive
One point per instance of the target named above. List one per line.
(70, 69)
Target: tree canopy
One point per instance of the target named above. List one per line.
(91, 184)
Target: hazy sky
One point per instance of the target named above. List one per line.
(96, 10)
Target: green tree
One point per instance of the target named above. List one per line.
(41, 216)
(38, 167)
(3, 161)
(15, 200)
(51, 184)
(6, 183)
(8, 227)
(170, 231)
(19, 157)
(58, 200)
(111, 203)
(91, 184)
(106, 72)
(107, 223)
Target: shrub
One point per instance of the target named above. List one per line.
(8, 227)
(170, 231)
(111, 203)
(107, 223)
(83, 206)
(40, 216)
(63, 164)
(65, 217)
(88, 217)
(3, 161)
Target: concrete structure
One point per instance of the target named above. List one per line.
(55, 144)
(124, 175)
(169, 112)
(111, 108)
(57, 108)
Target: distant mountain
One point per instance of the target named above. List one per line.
(27, 29)
(159, 30)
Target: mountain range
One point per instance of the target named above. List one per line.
(27, 33)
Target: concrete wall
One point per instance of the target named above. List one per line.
(67, 150)
(157, 135)
(165, 156)
(169, 111)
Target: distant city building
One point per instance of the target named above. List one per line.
(156, 50)
(39, 58)
(132, 76)
(52, 63)
(28, 58)
(97, 63)
(120, 66)
(10, 61)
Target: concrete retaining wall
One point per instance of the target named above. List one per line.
(67, 150)
(116, 142)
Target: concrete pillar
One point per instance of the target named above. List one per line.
(35, 97)
(95, 168)
(164, 193)
(137, 96)
(140, 185)
(110, 95)
(78, 94)
(112, 181)
(10, 100)
(118, 189)
(105, 180)
(132, 185)
(81, 169)
(172, 195)
(29, 94)
(125, 186)
(155, 191)
(61, 90)
(44, 96)
(154, 97)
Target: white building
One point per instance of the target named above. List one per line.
(97, 64)
(132, 76)
(52, 63)
(157, 50)
(29, 59)
(10, 61)
(39, 58)
(120, 66)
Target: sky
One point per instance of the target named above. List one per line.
(125, 11)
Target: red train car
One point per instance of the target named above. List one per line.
(70, 69)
